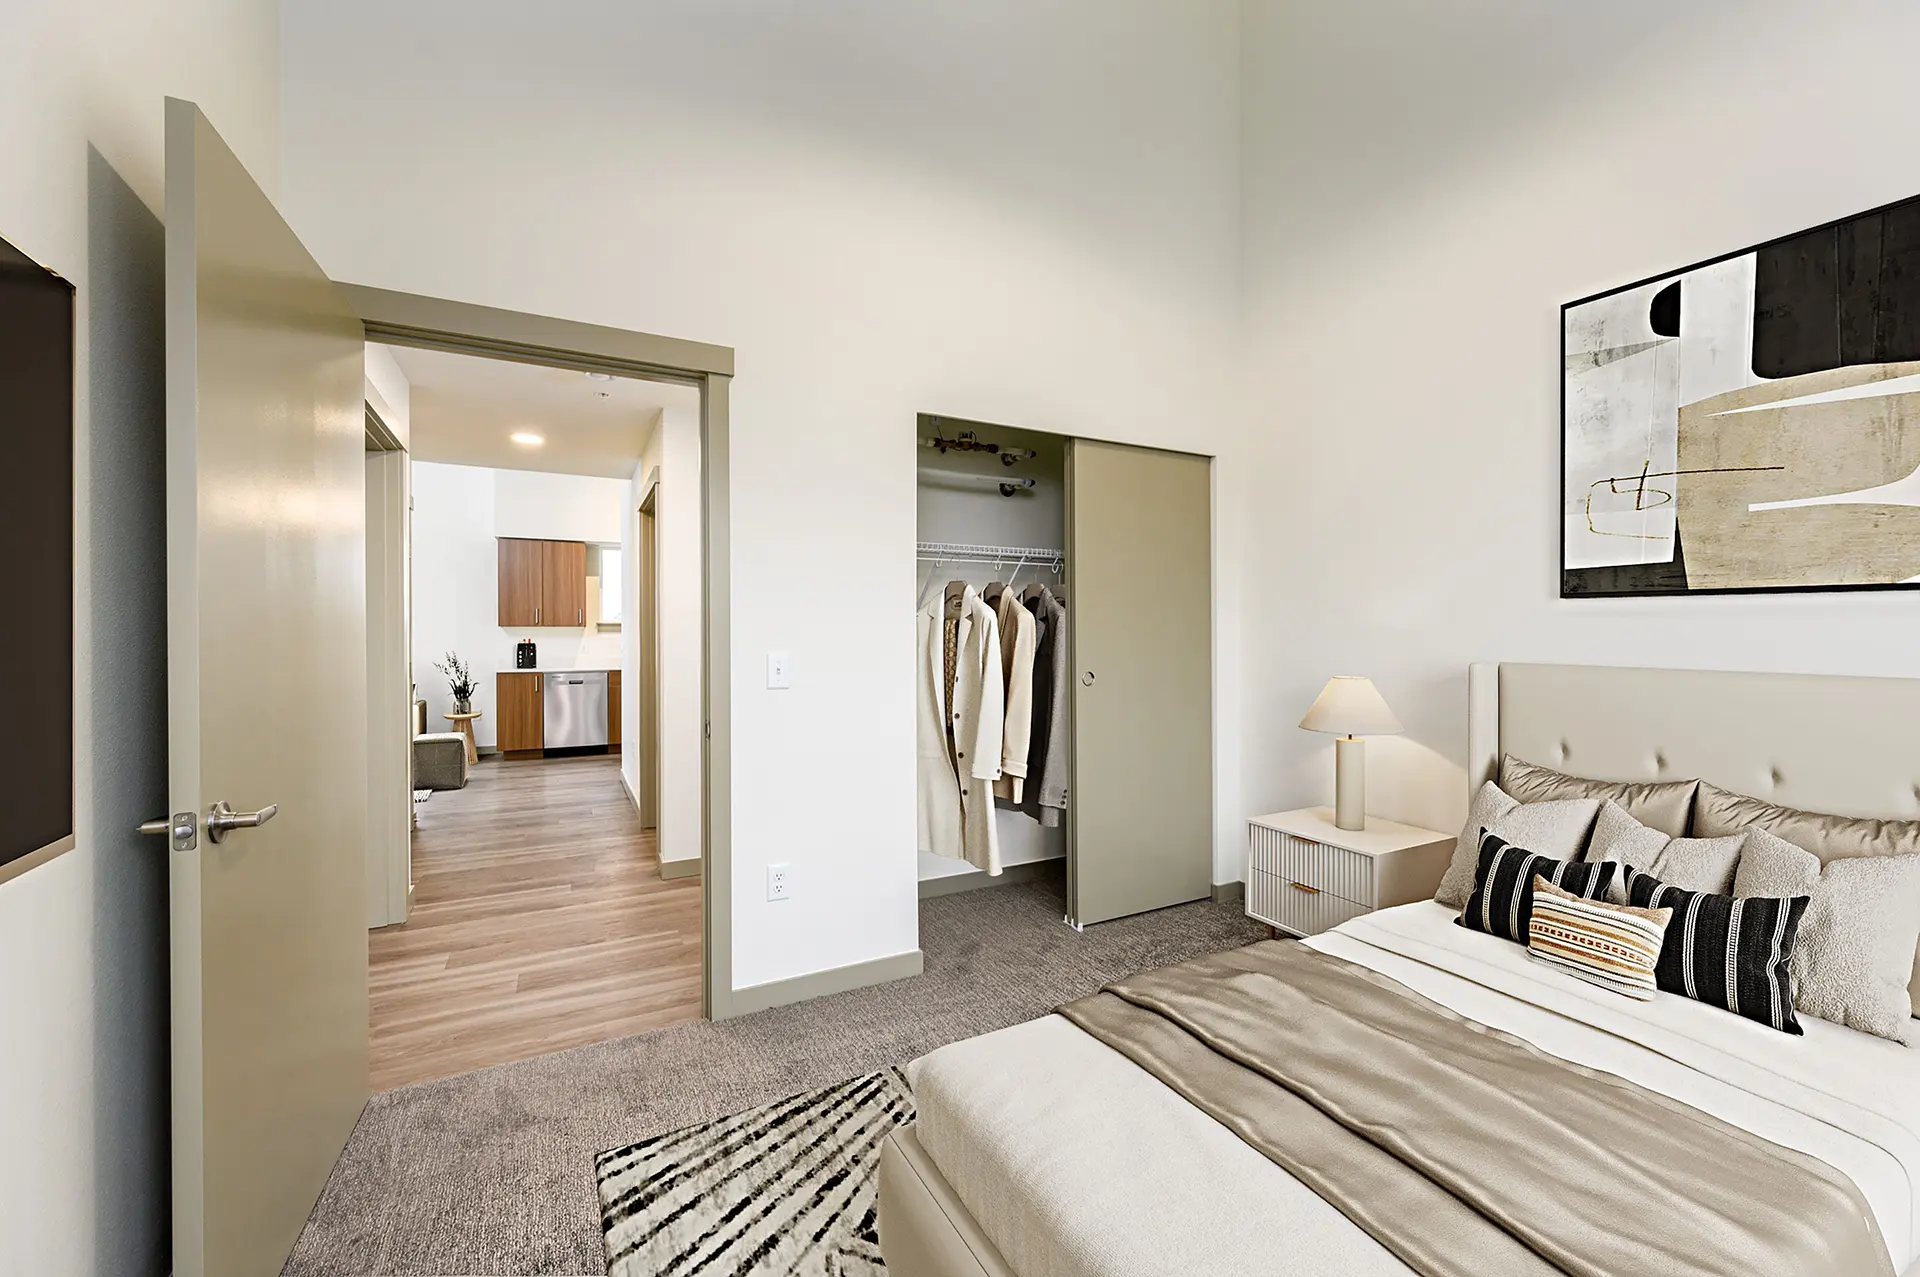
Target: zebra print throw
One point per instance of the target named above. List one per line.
(1502, 899)
(1726, 951)
(785, 1188)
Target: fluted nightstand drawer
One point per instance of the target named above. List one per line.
(1297, 907)
(1321, 866)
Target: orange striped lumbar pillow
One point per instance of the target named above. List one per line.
(1613, 946)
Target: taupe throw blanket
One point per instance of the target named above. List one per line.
(1463, 1150)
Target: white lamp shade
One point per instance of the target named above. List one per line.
(1350, 706)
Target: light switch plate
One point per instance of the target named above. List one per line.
(777, 671)
(779, 882)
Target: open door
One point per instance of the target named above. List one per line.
(267, 704)
(1140, 627)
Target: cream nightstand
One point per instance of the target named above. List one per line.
(1305, 876)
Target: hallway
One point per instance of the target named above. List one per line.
(539, 922)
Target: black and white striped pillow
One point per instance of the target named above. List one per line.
(1502, 899)
(1726, 951)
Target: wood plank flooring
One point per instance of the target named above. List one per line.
(540, 922)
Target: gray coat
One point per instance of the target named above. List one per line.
(1045, 796)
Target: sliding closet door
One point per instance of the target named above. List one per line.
(1140, 626)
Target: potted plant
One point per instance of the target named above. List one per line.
(459, 682)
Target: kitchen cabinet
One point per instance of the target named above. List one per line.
(520, 564)
(563, 583)
(613, 710)
(517, 701)
(542, 583)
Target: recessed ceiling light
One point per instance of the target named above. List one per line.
(527, 439)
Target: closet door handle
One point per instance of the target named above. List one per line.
(1086, 679)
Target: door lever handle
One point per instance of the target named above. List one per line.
(222, 819)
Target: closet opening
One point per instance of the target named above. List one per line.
(1064, 679)
(991, 516)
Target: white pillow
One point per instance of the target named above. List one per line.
(1854, 953)
(1556, 829)
(1691, 864)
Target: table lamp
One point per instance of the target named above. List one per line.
(1349, 707)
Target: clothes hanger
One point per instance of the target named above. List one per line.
(956, 598)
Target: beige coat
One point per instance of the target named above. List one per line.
(956, 794)
(1017, 639)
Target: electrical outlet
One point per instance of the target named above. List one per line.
(779, 882)
(777, 674)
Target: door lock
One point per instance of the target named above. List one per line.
(182, 827)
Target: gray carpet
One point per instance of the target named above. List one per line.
(492, 1172)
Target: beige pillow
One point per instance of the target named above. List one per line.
(1854, 955)
(1721, 811)
(1691, 864)
(1614, 946)
(1662, 804)
(1554, 829)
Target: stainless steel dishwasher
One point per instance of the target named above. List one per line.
(576, 709)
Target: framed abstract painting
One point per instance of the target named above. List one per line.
(1751, 423)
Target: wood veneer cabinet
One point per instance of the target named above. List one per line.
(542, 583)
(563, 583)
(518, 701)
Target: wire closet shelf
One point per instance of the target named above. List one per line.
(957, 552)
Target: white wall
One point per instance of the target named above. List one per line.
(458, 512)
(996, 210)
(83, 940)
(674, 452)
(1425, 186)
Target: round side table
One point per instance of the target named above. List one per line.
(463, 723)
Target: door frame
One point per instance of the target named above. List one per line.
(407, 319)
(389, 679)
(647, 730)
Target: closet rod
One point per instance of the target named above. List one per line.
(956, 552)
(1005, 482)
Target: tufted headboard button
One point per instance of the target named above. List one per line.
(1774, 777)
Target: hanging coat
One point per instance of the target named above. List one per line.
(1045, 792)
(1017, 639)
(956, 777)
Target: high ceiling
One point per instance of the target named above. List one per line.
(464, 408)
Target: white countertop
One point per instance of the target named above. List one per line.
(577, 669)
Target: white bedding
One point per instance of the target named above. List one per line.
(1044, 1132)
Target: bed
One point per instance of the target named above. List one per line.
(1043, 1151)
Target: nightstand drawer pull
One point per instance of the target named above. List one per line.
(1301, 886)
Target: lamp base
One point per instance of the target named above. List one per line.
(1349, 783)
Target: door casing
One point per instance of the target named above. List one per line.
(407, 319)
(648, 728)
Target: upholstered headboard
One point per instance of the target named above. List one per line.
(1821, 742)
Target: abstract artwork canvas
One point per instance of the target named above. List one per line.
(1751, 423)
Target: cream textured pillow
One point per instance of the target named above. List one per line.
(1691, 864)
(1666, 805)
(1614, 946)
(1555, 829)
(1855, 952)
